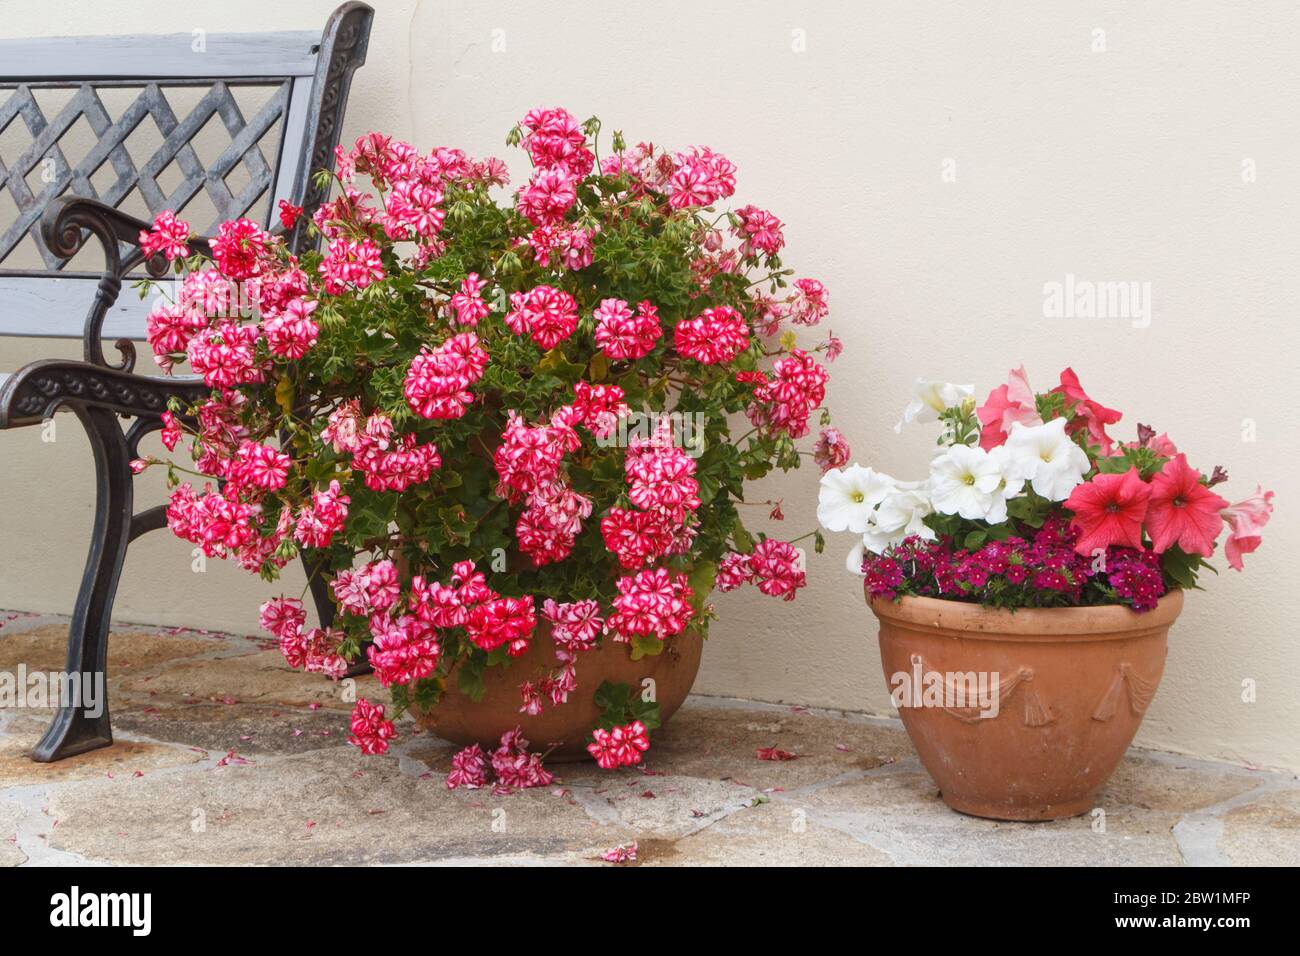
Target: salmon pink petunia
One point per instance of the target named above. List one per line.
(1183, 511)
(1245, 520)
(1006, 405)
(1108, 510)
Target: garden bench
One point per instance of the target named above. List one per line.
(76, 168)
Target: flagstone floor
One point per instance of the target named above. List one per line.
(225, 756)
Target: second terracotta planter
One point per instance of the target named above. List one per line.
(1070, 686)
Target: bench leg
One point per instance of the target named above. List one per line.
(84, 725)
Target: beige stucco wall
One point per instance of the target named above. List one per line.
(1117, 165)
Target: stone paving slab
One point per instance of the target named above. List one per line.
(225, 755)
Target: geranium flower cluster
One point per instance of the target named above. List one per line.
(620, 746)
(440, 410)
(511, 764)
(1031, 502)
(438, 380)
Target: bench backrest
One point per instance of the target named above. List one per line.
(212, 127)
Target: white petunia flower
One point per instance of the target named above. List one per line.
(901, 515)
(848, 496)
(1010, 486)
(853, 563)
(1046, 457)
(967, 481)
(929, 399)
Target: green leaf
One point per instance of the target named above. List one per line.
(284, 394)
(613, 701)
(619, 704)
(646, 711)
(741, 538)
(1180, 567)
(556, 363)
(646, 645)
(701, 580)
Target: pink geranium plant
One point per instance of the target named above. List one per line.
(1032, 503)
(483, 417)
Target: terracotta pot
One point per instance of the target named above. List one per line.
(463, 721)
(1071, 686)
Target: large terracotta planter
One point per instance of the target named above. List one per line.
(566, 727)
(1071, 685)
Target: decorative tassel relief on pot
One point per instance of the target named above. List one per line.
(1036, 713)
(1140, 693)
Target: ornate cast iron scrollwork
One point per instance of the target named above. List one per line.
(65, 226)
(343, 50)
(42, 388)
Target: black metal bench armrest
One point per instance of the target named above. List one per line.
(65, 226)
(38, 390)
(65, 220)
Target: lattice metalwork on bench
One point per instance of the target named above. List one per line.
(111, 147)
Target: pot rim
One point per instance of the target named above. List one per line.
(964, 619)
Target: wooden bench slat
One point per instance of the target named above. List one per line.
(145, 56)
(56, 308)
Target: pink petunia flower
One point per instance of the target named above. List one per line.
(1006, 405)
(1109, 510)
(1095, 416)
(1245, 520)
(1183, 511)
